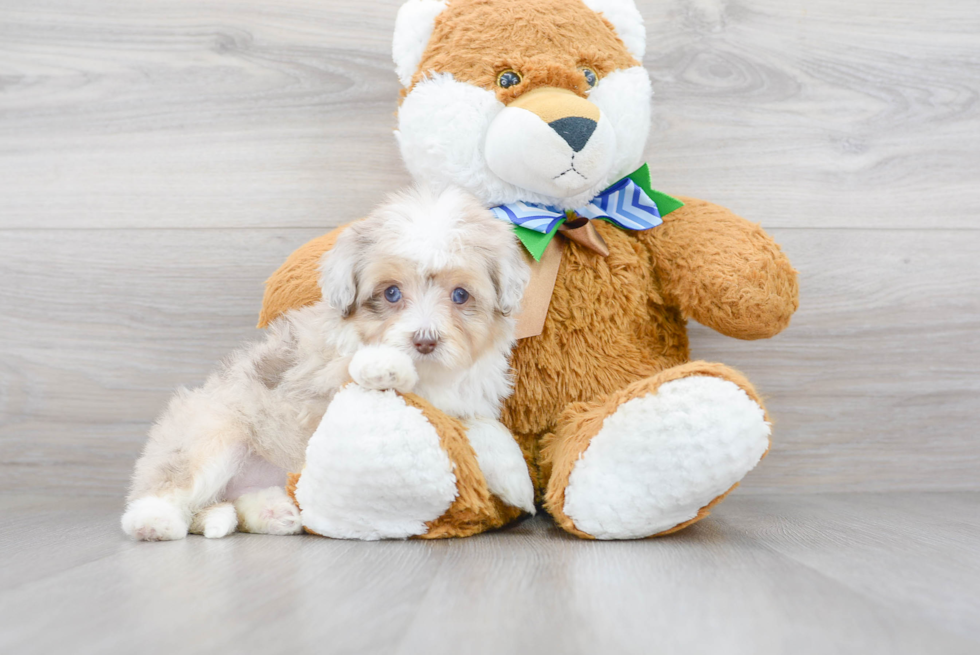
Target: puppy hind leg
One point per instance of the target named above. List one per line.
(181, 472)
(164, 511)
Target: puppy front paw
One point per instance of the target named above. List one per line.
(383, 367)
(154, 519)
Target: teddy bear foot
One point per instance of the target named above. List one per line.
(659, 459)
(375, 469)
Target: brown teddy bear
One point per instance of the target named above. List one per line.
(541, 109)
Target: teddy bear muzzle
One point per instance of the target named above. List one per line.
(551, 141)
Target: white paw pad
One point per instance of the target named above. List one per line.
(383, 367)
(660, 458)
(268, 511)
(154, 519)
(375, 469)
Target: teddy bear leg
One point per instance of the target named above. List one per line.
(656, 456)
(384, 465)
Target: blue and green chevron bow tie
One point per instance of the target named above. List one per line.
(629, 204)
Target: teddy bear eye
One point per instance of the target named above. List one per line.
(393, 294)
(460, 295)
(508, 78)
(590, 77)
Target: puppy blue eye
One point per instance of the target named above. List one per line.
(393, 294)
(590, 77)
(460, 295)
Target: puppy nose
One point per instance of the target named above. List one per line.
(425, 344)
(575, 130)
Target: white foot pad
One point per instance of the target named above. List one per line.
(375, 469)
(268, 511)
(660, 458)
(154, 519)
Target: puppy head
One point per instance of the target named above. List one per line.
(435, 275)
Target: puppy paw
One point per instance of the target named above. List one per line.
(154, 519)
(502, 462)
(383, 367)
(269, 511)
(216, 521)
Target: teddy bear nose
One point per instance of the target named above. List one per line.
(425, 344)
(575, 130)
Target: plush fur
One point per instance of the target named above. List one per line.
(615, 331)
(457, 125)
(419, 296)
(344, 491)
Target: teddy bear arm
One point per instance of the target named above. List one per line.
(296, 283)
(723, 271)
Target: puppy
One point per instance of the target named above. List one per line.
(418, 296)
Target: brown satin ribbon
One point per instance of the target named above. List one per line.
(583, 232)
(537, 296)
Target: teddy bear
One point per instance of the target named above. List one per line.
(541, 109)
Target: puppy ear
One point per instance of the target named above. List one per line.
(340, 270)
(510, 277)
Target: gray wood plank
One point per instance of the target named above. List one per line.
(873, 386)
(764, 575)
(245, 113)
(916, 564)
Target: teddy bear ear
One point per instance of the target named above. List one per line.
(413, 27)
(627, 20)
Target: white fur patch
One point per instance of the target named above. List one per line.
(443, 128)
(413, 29)
(268, 511)
(152, 518)
(523, 149)
(215, 522)
(660, 458)
(501, 462)
(623, 97)
(375, 469)
(383, 367)
(627, 20)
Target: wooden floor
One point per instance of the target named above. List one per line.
(834, 573)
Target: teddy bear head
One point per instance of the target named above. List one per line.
(541, 101)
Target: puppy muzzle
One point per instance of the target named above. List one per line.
(552, 142)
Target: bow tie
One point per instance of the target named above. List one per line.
(629, 204)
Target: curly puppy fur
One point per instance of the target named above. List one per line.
(420, 295)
